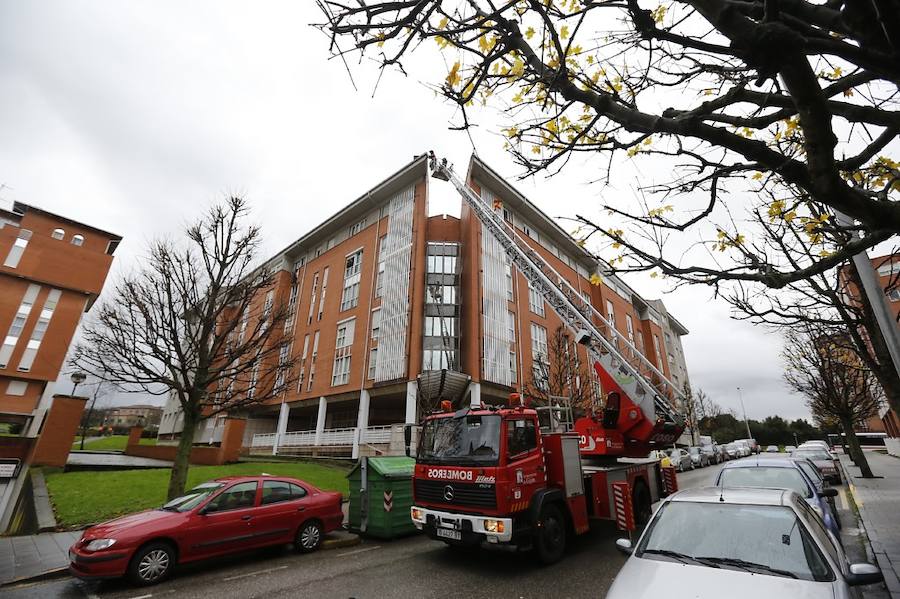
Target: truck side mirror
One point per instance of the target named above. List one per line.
(407, 438)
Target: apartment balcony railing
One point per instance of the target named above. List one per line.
(332, 437)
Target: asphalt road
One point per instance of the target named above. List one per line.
(411, 567)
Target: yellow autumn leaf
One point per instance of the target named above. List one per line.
(564, 32)
(757, 176)
(596, 280)
(453, 77)
(529, 33)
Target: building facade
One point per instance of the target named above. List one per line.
(124, 417)
(395, 310)
(51, 271)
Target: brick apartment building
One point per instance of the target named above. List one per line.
(52, 271)
(385, 298)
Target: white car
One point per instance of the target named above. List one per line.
(784, 550)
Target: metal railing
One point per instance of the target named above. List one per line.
(332, 437)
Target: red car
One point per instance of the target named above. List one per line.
(222, 516)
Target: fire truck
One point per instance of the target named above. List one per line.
(528, 477)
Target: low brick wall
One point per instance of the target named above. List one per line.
(225, 453)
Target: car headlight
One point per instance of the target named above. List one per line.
(100, 544)
(494, 526)
(417, 514)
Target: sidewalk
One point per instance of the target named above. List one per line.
(28, 556)
(878, 500)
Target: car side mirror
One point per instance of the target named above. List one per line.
(863, 573)
(624, 545)
(829, 492)
(407, 438)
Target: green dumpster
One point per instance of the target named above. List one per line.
(380, 497)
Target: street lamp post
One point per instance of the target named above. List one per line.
(77, 378)
(747, 422)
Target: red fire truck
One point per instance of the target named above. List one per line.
(520, 476)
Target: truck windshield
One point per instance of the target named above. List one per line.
(471, 439)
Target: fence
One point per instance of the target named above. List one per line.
(332, 437)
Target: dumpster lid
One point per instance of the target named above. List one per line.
(390, 467)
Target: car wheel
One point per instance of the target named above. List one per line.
(550, 541)
(309, 536)
(151, 564)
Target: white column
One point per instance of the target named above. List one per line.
(362, 422)
(281, 427)
(412, 391)
(474, 395)
(320, 420)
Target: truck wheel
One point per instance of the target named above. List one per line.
(643, 508)
(550, 539)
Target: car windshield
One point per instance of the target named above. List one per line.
(773, 541)
(192, 498)
(694, 450)
(813, 454)
(465, 440)
(765, 477)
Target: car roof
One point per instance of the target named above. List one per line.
(248, 478)
(742, 495)
(761, 462)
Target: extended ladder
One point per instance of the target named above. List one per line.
(644, 383)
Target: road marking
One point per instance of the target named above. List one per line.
(266, 571)
(359, 551)
(143, 596)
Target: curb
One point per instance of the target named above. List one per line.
(48, 575)
(340, 540)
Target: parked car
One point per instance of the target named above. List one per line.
(681, 459)
(734, 451)
(698, 458)
(812, 472)
(218, 517)
(789, 448)
(779, 473)
(823, 444)
(772, 449)
(746, 448)
(784, 551)
(752, 445)
(824, 461)
(723, 453)
(712, 453)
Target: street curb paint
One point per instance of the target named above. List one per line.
(48, 575)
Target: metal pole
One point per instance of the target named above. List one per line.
(747, 422)
(872, 289)
(87, 423)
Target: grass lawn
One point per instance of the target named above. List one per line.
(81, 498)
(109, 443)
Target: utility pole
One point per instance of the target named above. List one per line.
(747, 422)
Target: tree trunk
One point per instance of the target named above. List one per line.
(178, 478)
(856, 452)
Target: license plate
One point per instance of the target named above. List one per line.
(449, 534)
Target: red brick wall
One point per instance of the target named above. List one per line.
(58, 432)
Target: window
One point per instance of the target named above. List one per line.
(241, 495)
(376, 323)
(520, 437)
(322, 297)
(526, 229)
(15, 329)
(507, 215)
(893, 295)
(441, 265)
(373, 361)
(629, 325)
(77, 240)
(889, 268)
(511, 325)
(276, 491)
(509, 283)
(340, 372)
(354, 229)
(436, 326)
(436, 359)
(610, 314)
(535, 301)
(17, 388)
(58, 233)
(352, 268)
(312, 297)
(312, 362)
(379, 280)
(539, 351)
(17, 249)
(441, 294)
(657, 352)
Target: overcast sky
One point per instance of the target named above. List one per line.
(134, 116)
